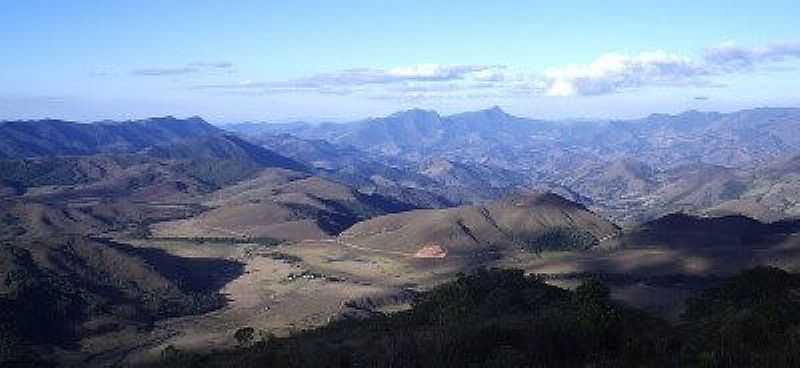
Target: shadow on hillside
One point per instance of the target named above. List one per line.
(741, 237)
(682, 254)
(682, 231)
(691, 252)
(192, 275)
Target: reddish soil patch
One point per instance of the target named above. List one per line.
(431, 250)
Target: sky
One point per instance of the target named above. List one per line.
(278, 61)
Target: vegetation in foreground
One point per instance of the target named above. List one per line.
(502, 318)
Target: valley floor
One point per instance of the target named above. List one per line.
(300, 285)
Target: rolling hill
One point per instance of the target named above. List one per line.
(680, 230)
(773, 193)
(64, 288)
(166, 172)
(532, 222)
(368, 174)
(281, 204)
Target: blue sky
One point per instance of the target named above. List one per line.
(341, 60)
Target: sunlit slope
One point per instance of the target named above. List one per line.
(531, 222)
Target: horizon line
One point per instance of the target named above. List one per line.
(318, 121)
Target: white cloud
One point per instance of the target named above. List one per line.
(490, 75)
(418, 73)
(613, 72)
(730, 56)
(436, 72)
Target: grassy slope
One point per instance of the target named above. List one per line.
(535, 222)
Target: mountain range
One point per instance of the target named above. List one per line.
(630, 170)
(739, 139)
(23, 139)
(141, 234)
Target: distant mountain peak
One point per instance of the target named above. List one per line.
(492, 114)
(497, 113)
(496, 110)
(541, 198)
(171, 118)
(416, 113)
(708, 115)
(167, 119)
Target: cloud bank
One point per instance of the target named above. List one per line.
(609, 73)
(730, 56)
(613, 72)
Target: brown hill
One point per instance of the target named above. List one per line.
(616, 180)
(772, 194)
(533, 221)
(63, 288)
(687, 188)
(281, 204)
(680, 230)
